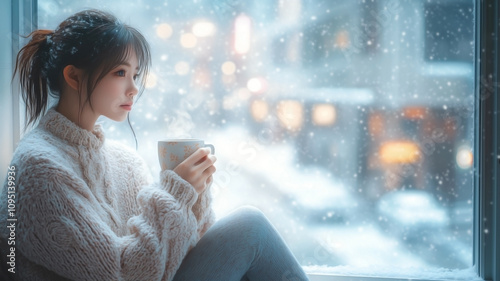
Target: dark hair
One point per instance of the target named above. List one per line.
(92, 40)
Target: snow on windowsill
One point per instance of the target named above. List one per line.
(468, 274)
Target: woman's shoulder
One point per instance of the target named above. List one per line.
(39, 157)
(37, 145)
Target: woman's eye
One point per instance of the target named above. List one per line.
(135, 76)
(120, 73)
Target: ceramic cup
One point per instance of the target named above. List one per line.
(173, 151)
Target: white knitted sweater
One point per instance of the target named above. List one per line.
(87, 209)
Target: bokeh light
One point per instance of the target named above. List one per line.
(188, 40)
(164, 31)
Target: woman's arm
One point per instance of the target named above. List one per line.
(198, 170)
(60, 230)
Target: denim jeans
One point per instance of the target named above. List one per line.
(241, 246)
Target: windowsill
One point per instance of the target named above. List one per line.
(351, 273)
(447, 69)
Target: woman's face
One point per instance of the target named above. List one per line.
(114, 95)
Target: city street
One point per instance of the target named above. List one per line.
(250, 173)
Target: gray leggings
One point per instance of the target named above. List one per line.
(241, 246)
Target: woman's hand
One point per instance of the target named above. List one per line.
(198, 169)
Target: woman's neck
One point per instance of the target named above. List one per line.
(84, 118)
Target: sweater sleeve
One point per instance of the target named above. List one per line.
(203, 211)
(202, 208)
(60, 230)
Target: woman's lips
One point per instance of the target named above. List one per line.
(126, 107)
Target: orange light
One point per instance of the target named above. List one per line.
(399, 152)
(228, 68)
(376, 124)
(464, 157)
(259, 110)
(414, 112)
(324, 115)
(290, 114)
(342, 40)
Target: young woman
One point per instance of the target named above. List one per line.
(86, 208)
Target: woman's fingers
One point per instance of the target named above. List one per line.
(202, 159)
(209, 171)
(210, 180)
(194, 158)
(204, 179)
(198, 169)
(206, 162)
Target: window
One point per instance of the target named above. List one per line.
(356, 126)
(445, 38)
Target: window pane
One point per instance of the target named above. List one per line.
(348, 122)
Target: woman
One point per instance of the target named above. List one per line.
(86, 208)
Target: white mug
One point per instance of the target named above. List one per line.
(172, 152)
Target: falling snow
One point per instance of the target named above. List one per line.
(347, 122)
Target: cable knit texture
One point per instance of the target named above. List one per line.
(87, 209)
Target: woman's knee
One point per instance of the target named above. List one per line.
(247, 223)
(250, 217)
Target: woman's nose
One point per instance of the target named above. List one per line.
(133, 90)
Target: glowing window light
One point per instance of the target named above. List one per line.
(291, 115)
(376, 124)
(259, 110)
(255, 85)
(242, 34)
(464, 157)
(399, 152)
(324, 115)
(228, 68)
(342, 40)
(188, 40)
(203, 29)
(415, 113)
(182, 68)
(164, 31)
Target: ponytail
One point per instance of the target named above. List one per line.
(31, 62)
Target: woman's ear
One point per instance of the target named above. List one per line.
(72, 76)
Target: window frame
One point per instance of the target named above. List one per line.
(24, 21)
(487, 142)
(486, 245)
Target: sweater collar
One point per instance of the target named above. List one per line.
(62, 127)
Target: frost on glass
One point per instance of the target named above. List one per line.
(349, 123)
